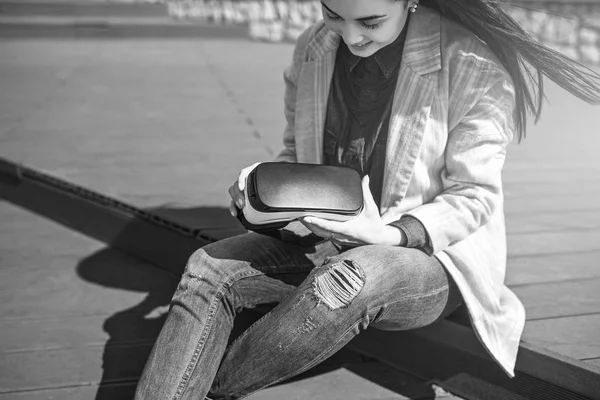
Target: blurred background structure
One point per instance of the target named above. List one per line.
(159, 105)
(571, 27)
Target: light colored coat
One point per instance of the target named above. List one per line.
(451, 120)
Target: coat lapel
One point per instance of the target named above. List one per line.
(415, 91)
(324, 72)
(314, 83)
(413, 97)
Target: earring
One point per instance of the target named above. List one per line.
(414, 6)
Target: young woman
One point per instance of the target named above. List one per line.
(422, 100)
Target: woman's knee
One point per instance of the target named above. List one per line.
(346, 277)
(204, 276)
(199, 263)
(204, 266)
(221, 261)
(374, 273)
(338, 282)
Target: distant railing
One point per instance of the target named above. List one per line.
(571, 27)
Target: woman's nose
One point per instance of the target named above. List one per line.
(351, 34)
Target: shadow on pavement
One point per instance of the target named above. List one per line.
(133, 330)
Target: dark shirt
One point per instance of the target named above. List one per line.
(357, 122)
(359, 108)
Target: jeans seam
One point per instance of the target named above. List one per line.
(183, 382)
(243, 334)
(306, 367)
(420, 296)
(288, 268)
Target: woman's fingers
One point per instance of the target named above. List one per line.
(365, 228)
(232, 209)
(236, 195)
(244, 175)
(236, 191)
(336, 237)
(241, 183)
(315, 223)
(339, 239)
(315, 229)
(326, 225)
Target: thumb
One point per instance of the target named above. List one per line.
(244, 176)
(367, 195)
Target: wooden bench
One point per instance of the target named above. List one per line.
(447, 353)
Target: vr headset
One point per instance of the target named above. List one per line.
(279, 192)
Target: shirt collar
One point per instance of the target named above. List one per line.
(387, 58)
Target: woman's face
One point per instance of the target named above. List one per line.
(365, 25)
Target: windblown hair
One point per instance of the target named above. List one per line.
(526, 60)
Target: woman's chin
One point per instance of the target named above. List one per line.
(365, 51)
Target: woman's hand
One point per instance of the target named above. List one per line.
(236, 190)
(367, 228)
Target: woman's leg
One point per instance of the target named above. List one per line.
(219, 280)
(389, 287)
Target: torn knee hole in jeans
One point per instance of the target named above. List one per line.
(339, 285)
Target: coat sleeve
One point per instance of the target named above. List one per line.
(474, 157)
(290, 78)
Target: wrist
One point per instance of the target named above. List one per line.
(393, 236)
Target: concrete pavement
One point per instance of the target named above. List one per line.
(156, 123)
(169, 123)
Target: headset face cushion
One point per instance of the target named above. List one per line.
(281, 192)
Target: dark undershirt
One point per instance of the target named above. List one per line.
(357, 122)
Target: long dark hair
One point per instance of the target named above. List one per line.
(526, 60)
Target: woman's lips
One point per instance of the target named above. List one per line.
(362, 46)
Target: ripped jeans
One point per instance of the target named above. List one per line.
(324, 298)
